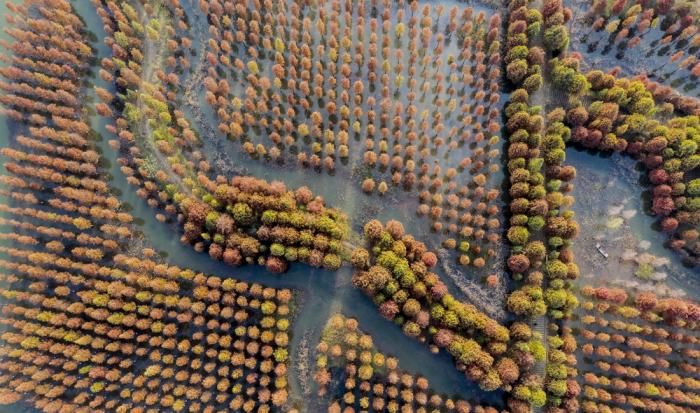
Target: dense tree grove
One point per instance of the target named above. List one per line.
(396, 274)
(374, 380)
(244, 220)
(286, 226)
(640, 351)
(392, 85)
(86, 327)
(528, 206)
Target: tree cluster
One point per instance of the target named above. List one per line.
(397, 275)
(372, 379)
(248, 220)
(405, 108)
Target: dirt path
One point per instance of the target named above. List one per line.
(540, 98)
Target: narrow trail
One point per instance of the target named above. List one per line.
(470, 291)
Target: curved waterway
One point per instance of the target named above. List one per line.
(341, 188)
(320, 293)
(603, 182)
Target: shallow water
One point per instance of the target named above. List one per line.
(321, 292)
(341, 188)
(600, 52)
(605, 187)
(602, 182)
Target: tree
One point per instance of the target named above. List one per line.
(508, 370)
(556, 38)
(520, 303)
(518, 235)
(533, 83)
(253, 67)
(517, 70)
(331, 262)
(373, 229)
(360, 258)
(242, 214)
(429, 259)
(411, 307)
(382, 188)
(389, 309)
(368, 185)
(518, 263)
(556, 269)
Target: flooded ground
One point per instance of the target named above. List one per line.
(618, 244)
(320, 293)
(650, 56)
(341, 188)
(612, 210)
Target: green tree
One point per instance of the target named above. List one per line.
(556, 38)
(242, 214)
(518, 235)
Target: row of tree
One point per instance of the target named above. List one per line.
(528, 208)
(560, 226)
(602, 400)
(313, 101)
(672, 311)
(645, 358)
(396, 274)
(372, 379)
